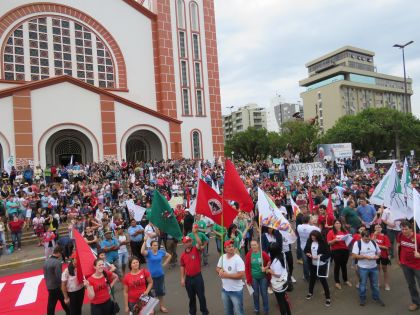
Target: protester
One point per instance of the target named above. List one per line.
(52, 275)
(110, 246)
(393, 228)
(73, 290)
(98, 288)
(304, 230)
(191, 277)
(231, 269)
(367, 252)
(256, 261)
(122, 249)
(384, 244)
(137, 282)
(136, 232)
(409, 259)
(16, 227)
(203, 241)
(156, 260)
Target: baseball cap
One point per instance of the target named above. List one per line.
(227, 243)
(186, 239)
(195, 225)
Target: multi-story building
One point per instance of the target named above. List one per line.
(345, 81)
(250, 115)
(280, 112)
(94, 80)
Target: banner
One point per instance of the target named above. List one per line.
(8, 164)
(25, 293)
(305, 169)
(334, 151)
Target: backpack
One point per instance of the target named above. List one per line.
(359, 245)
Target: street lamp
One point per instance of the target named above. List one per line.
(232, 154)
(405, 77)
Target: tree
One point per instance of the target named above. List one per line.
(377, 129)
(301, 137)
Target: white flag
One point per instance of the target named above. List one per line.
(407, 188)
(363, 166)
(342, 178)
(8, 164)
(272, 217)
(416, 206)
(381, 195)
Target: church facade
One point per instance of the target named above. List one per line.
(102, 80)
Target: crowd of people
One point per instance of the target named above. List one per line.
(93, 199)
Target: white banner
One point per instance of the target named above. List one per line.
(305, 169)
(334, 151)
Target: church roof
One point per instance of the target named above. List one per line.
(34, 85)
(141, 8)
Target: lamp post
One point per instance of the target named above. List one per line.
(406, 105)
(232, 154)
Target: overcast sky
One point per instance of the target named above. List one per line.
(263, 45)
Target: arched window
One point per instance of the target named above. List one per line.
(180, 9)
(194, 17)
(196, 144)
(55, 46)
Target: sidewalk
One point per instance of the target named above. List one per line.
(30, 253)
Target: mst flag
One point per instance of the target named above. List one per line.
(416, 206)
(234, 189)
(272, 217)
(163, 216)
(84, 256)
(381, 195)
(406, 186)
(295, 207)
(209, 203)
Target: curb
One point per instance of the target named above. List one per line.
(21, 262)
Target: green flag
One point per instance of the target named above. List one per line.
(163, 216)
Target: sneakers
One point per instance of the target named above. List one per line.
(269, 290)
(413, 307)
(328, 302)
(309, 296)
(293, 279)
(362, 303)
(338, 286)
(299, 261)
(348, 283)
(380, 302)
(387, 287)
(357, 285)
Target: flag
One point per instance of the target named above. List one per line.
(271, 216)
(416, 206)
(234, 189)
(84, 256)
(380, 195)
(71, 160)
(362, 165)
(8, 164)
(163, 216)
(330, 209)
(210, 204)
(295, 207)
(406, 186)
(342, 177)
(311, 201)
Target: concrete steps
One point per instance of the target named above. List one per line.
(29, 237)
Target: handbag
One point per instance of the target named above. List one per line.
(115, 305)
(279, 284)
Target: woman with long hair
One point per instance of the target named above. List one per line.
(339, 252)
(384, 244)
(73, 290)
(98, 286)
(278, 272)
(137, 282)
(318, 252)
(236, 236)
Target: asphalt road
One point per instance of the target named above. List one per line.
(344, 301)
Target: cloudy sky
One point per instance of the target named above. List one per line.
(263, 45)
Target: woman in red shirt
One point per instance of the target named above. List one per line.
(384, 244)
(16, 227)
(339, 252)
(137, 282)
(98, 288)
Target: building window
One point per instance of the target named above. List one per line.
(58, 46)
(196, 145)
(182, 47)
(194, 17)
(200, 111)
(181, 13)
(184, 75)
(197, 75)
(186, 101)
(196, 46)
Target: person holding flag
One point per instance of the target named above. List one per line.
(73, 289)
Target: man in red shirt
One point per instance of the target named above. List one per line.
(15, 227)
(409, 258)
(191, 277)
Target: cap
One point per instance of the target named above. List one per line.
(195, 225)
(108, 232)
(186, 239)
(227, 243)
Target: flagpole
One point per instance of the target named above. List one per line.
(415, 234)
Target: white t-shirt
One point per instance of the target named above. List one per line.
(314, 252)
(232, 265)
(123, 248)
(366, 249)
(304, 230)
(148, 230)
(387, 216)
(277, 268)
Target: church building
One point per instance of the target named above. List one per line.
(95, 80)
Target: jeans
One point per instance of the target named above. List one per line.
(195, 287)
(233, 302)
(122, 259)
(16, 238)
(392, 235)
(260, 286)
(341, 257)
(372, 274)
(299, 253)
(54, 296)
(411, 275)
(306, 263)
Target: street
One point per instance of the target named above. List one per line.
(344, 301)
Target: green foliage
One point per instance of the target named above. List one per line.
(377, 129)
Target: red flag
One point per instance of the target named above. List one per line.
(311, 202)
(84, 256)
(234, 189)
(209, 203)
(330, 210)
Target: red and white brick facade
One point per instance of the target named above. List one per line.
(147, 93)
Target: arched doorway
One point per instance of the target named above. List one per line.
(143, 145)
(68, 145)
